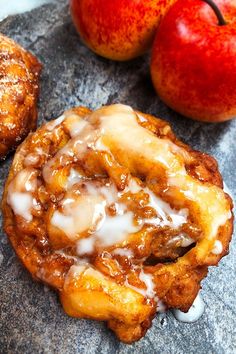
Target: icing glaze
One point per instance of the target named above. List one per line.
(147, 279)
(123, 252)
(217, 248)
(193, 314)
(148, 291)
(73, 178)
(163, 209)
(79, 215)
(53, 124)
(94, 211)
(112, 123)
(21, 203)
(88, 213)
(181, 240)
(20, 193)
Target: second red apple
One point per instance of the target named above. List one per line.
(193, 63)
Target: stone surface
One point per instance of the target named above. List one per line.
(32, 320)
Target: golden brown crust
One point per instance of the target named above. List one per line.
(176, 271)
(19, 86)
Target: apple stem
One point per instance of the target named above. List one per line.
(217, 11)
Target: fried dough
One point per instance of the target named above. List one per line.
(19, 86)
(117, 214)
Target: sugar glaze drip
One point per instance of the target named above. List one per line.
(193, 314)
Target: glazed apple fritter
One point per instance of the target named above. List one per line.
(19, 76)
(119, 216)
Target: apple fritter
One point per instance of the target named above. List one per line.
(19, 76)
(117, 214)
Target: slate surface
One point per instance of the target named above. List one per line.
(32, 320)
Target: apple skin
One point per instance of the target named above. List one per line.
(118, 29)
(193, 64)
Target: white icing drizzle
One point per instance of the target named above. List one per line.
(86, 269)
(182, 240)
(115, 229)
(13, 7)
(83, 266)
(215, 209)
(142, 118)
(163, 209)
(87, 212)
(161, 308)
(123, 252)
(135, 288)
(193, 314)
(99, 145)
(147, 279)
(31, 159)
(63, 253)
(79, 215)
(73, 178)
(75, 126)
(21, 204)
(55, 123)
(76, 147)
(186, 240)
(217, 248)
(75, 271)
(111, 125)
(20, 196)
(85, 246)
(220, 222)
(169, 216)
(133, 186)
(111, 194)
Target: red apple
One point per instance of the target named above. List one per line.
(193, 64)
(118, 29)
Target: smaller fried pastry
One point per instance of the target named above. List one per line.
(19, 76)
(119, 216)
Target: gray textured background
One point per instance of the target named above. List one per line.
(32, 320)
